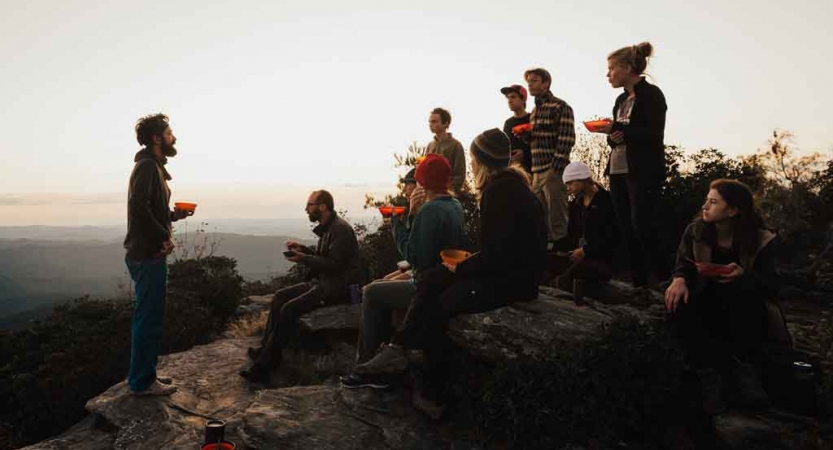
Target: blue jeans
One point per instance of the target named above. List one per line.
(150, 278)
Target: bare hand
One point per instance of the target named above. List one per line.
(418, 198)
(606, 129)
(180, 214)
(295, 258)
(737, 272)
(292, 245)
(577, 255)
(676, 291)
(168, 247)
(617, 137)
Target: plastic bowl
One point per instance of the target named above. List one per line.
(522, 128)
(712, 270)
(595, 126)
(225, 445)
(398, 210)
(454, 257)
(386, 211)
(185, 206)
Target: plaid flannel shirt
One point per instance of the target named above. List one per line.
(553, 133)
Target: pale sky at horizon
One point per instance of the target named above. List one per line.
(263, 94)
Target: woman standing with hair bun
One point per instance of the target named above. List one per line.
(637, 160)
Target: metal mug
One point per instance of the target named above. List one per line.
(215, 430)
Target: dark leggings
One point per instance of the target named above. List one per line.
(440, 296)
(636, 203)
(723, 322)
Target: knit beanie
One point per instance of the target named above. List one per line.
(434, 172)
(576, 171)
(492, 148)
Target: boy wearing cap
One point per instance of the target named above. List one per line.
(437, 226)
(444, 144)
(592, 236)
(516, 96)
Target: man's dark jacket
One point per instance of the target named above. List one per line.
(335, 262)
(148, 215)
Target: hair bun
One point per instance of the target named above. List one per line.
(644, 49)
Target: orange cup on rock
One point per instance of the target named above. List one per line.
(454, 257)
(185, 206)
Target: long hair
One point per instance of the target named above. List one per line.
(745, 225)
(483, 174)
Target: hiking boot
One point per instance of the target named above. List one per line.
(356, 381)
(712, 387)
(156, 389)
(256, 374)
(390, 360)
(430, 408)
(163, 379)
(750, 389)
(254, 352)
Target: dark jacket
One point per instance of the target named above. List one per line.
(760, 275)
(335, 262)
(513, 238)
(596, 223)
(645, 134)
(148, 215)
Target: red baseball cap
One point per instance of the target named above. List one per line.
(516, 88)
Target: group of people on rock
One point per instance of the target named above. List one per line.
(532, 201)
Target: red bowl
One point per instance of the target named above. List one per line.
(712, 270)
(398, 210)
(185, 206)
(386, 211)
(454, 257)
(522, 128)
(595, 126)
(225, 445)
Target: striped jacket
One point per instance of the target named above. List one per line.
(553, 133)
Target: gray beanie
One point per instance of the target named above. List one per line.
(492, 148)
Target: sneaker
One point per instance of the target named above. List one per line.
(391, 360)
(254, 352)
(356, 381)
(256, 374)
(712, 385)
(164, 380)
(752, 393)
(156, 389)
(430, 408)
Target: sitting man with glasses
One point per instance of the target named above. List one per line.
(334, 265)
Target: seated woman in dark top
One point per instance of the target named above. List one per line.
(720, 312)
(592, 233)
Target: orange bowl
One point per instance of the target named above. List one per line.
(595, 126)
(454, 257)
(386, 211)
(398, 210)
(712, 270)
(522, 128)
(185, 206)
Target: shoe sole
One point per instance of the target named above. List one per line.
(366, 385)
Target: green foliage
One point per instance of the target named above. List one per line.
(605, 390)
(48, 372)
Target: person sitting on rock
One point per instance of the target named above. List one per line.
(719, 312)
(508, 268)
(409, 186)
(437, 225)
(592, 236)
(334, 265)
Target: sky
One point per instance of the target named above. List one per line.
(269, 100)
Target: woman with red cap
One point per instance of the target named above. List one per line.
(436, 225)
(508, 268)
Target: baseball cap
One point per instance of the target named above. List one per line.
(517, 88)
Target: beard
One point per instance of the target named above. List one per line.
(169, 150)
(315, 216)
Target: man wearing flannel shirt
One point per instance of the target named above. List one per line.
(551, 141)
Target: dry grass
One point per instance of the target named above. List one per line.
(248, 326)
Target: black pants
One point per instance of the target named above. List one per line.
(590, 270)
(288, 305)
(637, 209)
(440, 296)
(721, 323)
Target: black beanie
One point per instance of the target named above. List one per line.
(492, 148)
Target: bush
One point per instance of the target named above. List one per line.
(48, 372)
(608, 390)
